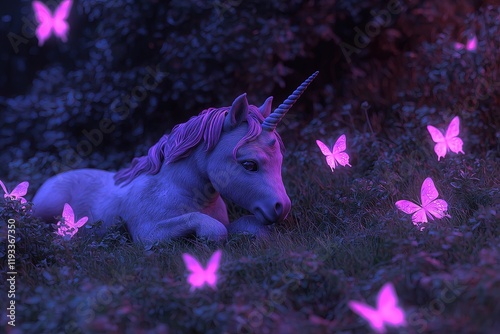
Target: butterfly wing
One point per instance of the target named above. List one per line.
(61, 14)
(197, 276)
(371, 315)
(338, 151)
(454, 128)
(437, 208)
(330, 160)
(439, 139)
(81, 222)
(419, 217)
(68, 215)
(67, 225)
(428, 195)
(340, 145)
(64, 225)
(454, 143)
(20, 190)
(212, 267)
(4, 189)
(324, 149)
(387, 305)
(428, 192)
(45, 20)
(409, 208)
(436, 135)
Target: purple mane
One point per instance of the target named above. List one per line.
(206, 127)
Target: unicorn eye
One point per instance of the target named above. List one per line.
(250, 165)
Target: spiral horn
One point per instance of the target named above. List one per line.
(275, 117)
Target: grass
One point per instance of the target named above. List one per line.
(343, 240)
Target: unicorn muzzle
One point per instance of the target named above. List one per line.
(270, 213)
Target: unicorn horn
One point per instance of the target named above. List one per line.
(275, 117)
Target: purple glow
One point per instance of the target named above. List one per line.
(471, 44)
(67, 226)
(450, 141)
(19, 191)
(49, 23)
(337, 155)
(387, 312)
(431, 206)
(199, 276)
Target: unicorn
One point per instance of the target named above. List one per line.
(178, 189)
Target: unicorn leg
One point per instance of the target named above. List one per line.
(184, 225)
(251, 225)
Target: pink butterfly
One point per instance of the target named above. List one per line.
(470, 46)
(386, 313)
(449, 141)
(337, 155)
(49, 23)
(199, 276)
(67, 226)
(431, 207)
(19, 191)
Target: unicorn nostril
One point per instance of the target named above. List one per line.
(278, 208)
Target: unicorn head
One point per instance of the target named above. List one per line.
(253, 181)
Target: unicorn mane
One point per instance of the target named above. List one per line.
(206, 127)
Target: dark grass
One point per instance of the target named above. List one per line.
(343, 240)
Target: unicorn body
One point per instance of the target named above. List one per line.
(178, 188)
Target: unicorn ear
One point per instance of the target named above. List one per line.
(265, 109)
(238, 112)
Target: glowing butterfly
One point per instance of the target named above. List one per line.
(49, 23)
(431, 206)
(199, 276)
(449, 141)
(19, 191)
(67, 226)
(471, 45)
(386, 313)
(337, 155)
